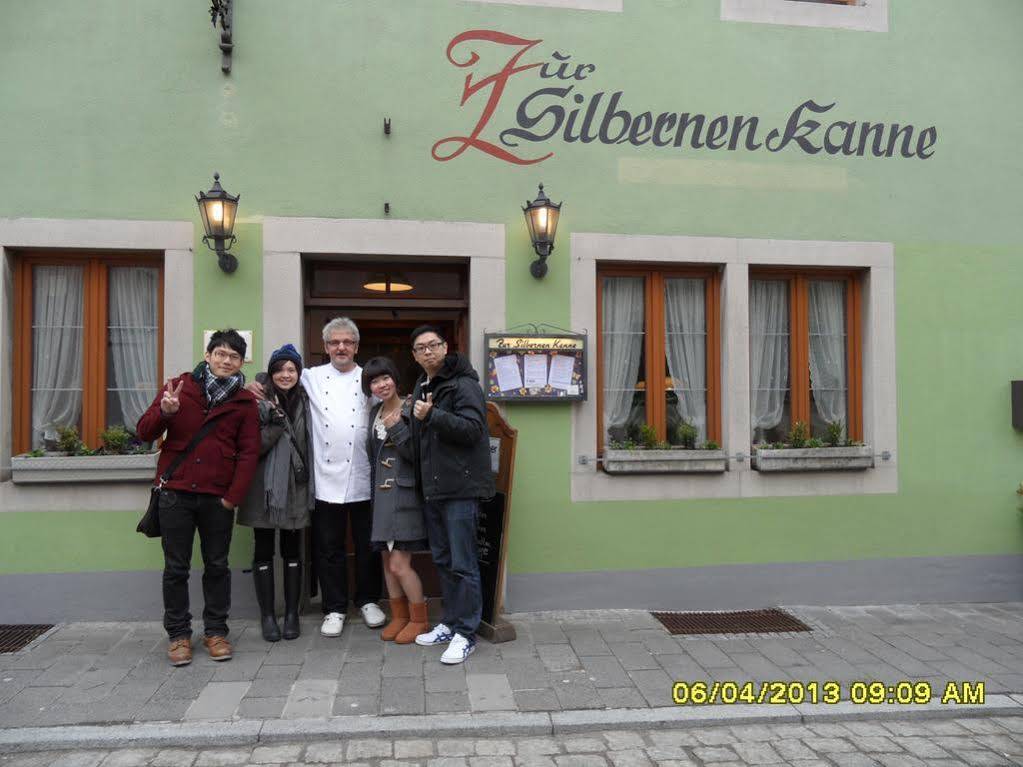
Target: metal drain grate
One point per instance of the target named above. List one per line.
(14, 638)
(744, 622)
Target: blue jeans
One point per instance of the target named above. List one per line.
(451, 526)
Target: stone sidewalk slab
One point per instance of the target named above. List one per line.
(565, 671)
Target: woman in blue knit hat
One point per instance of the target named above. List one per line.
(282, 494)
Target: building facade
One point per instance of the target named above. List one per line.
(782, 220)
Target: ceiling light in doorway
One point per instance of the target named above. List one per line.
(388, 283)
(542, 220)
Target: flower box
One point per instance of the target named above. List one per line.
(137, 467)
(857, 458)
(665, 461)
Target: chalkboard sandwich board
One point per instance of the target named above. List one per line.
(535, 367)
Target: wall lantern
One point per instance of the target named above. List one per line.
(381, 282)
(218, 209)
(542, 221)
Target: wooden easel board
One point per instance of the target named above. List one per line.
(492, 530)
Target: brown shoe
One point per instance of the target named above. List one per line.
(180, 651)
(419, 624)
(218, 647)
(399, 618)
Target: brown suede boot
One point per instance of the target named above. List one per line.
(417, 625)
(399, 617)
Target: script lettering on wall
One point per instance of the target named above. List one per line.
(572, 108)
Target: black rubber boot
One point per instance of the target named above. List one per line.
(292, 597)
(263, 577)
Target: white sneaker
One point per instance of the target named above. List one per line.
(459, 649)
(373, 615)
(439, 634)
(332, 625)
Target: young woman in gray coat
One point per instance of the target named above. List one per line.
(398, 525)
(282, 493)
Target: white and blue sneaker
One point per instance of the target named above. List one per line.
(460, 648)
(439, 634)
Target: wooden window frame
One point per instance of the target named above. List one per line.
(94, 335)
(799, 339)
(654, 343)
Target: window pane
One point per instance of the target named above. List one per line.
(828, 380)
(57, 306)
(769, 360)
(685, 348)
(132, 343)
(622, 341)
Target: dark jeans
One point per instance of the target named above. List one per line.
(451, 526)
(264, 539)
(181, 514)
(329, 524)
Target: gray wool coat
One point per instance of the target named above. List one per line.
(397, 508)
(301, 498)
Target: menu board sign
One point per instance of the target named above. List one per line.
(535, 367)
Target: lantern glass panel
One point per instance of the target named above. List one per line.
(552, 222)
(228, 208)
(205, 218)
(531, 225)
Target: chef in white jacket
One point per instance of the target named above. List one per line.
(339, 421)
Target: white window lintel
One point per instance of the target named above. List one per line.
(870, 16)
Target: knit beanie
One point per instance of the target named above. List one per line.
(284, 354)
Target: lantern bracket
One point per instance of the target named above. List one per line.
(223, 11)
(226, 261)
(539, 267)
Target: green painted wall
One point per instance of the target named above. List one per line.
(119, 110)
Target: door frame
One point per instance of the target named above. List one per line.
(288, 241)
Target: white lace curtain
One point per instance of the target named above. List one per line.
(133, 339)
(685, 328)
(57, 300)
(769, 352)
(827, 350)
(622, 312)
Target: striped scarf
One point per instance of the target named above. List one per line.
(220, 390)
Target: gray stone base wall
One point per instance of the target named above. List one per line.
(746, 587)
(120, 596)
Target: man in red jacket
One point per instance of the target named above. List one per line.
(204, 490)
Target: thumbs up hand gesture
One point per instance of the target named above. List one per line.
(422, 409)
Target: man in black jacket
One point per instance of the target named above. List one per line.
(452, 447)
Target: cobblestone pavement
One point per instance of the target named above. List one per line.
(975, 742)
(116, 673)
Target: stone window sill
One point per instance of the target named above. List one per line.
(857, 458)
(83, 468)
(665, 461)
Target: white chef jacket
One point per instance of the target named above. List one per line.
(339, 419)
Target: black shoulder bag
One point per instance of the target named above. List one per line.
(149, 525)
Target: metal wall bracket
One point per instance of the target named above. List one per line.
(387, 126)
(223, 11)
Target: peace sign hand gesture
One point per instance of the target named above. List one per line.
(170, 403)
